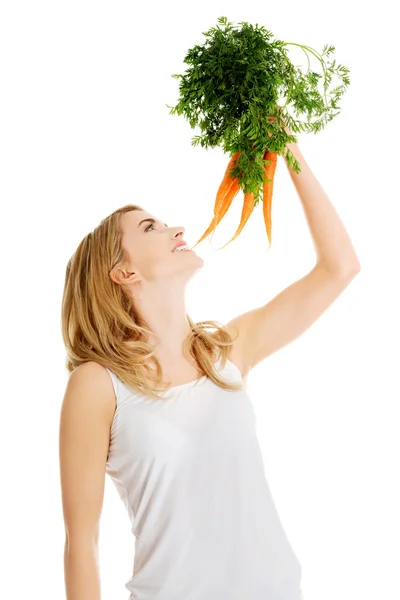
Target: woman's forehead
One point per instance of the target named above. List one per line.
(133, 218)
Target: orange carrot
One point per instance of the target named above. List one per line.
(226, 182)
(248, 207)
(222, 210)
(229, 188)
(221, 206)
(225, 203)
(268, 187)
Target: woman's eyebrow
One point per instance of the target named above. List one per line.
(144, 221)
(150, 220)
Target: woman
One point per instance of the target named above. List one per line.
(159, 403)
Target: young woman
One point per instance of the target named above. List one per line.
(159, 403)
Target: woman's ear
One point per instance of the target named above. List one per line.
(123, 277)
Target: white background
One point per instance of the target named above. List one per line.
(84, 130)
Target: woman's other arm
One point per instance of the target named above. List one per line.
(86, 415)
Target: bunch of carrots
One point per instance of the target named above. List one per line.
(225, 103)
(229, 188)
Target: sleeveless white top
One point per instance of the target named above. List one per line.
(190, 472)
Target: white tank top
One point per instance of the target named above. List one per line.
(190, 472)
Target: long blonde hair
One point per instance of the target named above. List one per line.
(99, 321)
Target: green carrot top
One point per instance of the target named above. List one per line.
(237, 79)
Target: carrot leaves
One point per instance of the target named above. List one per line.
(240, 78)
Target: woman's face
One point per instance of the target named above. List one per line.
(149, 242)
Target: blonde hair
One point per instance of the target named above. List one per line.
(99, 321)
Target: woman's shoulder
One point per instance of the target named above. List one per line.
(88, 372)
(90, 384)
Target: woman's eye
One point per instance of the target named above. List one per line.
(151, 225)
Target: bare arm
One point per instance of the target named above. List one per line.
(86, 415)
(267, 328)
(334, 249)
